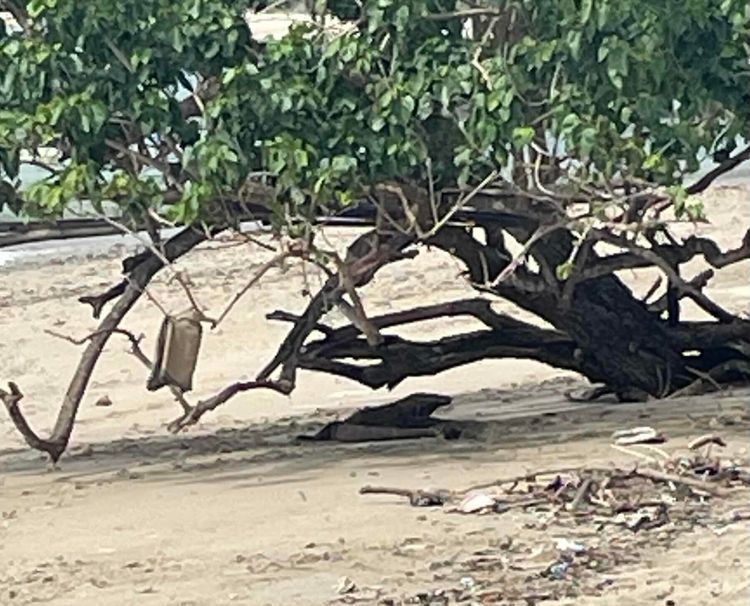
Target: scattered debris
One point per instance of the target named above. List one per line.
(638, 435)
(558, 570)
(477, 502)
(644, 497)
(345, 586)
(563, 544)
(417, 498)
(705, 441)
(103, 401)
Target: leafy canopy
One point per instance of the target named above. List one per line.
(177, 107)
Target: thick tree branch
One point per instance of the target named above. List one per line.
(727, 165)
(56, 444)
(401, 358)
(702, 300)
(366, 255)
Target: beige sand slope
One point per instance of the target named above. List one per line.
(234, 512)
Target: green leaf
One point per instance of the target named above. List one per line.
(586, 6)
(522, 135)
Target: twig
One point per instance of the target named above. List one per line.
(701, 441)
(635, 453)
(193, 414)
(540, 232)
(464, 14)
(285, 316)
(177, 275)
(135, 349)
(581, 494)
(417, 498)
(652, 290)
(663, 476)
(296, 249)
(460, 203)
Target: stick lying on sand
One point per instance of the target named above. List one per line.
(417, 498)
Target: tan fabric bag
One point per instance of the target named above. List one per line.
(177, 350)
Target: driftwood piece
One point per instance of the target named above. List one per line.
(417, 498)
(695, 483)
(705, 440)
(408, 418)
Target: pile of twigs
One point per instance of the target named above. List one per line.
(645, 496)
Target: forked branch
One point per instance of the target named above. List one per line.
(56, 444)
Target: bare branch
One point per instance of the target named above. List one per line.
(730, 164)
(193, 414)
(295, 249)
(699, 282)
(177, 246)
(465, 14)
(365, 256)
(651, 256)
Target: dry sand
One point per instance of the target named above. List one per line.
(234, 512)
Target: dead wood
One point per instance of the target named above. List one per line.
(366, 255)
(56, 444)
(663, 476)
(417, 498)
(194, 413)
(581, 494)
(342, 431)
(701, 441)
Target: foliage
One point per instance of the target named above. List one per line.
(633, 88)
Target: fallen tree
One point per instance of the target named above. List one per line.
(555, 130)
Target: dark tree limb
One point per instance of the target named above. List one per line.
(727, 165)
(682, 253)
(285, 316)
(699, 282)
(668, 268)
(400, 358)
(366, 255)
(56, 444)
(98, 302)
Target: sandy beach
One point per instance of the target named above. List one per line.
(235, 511)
